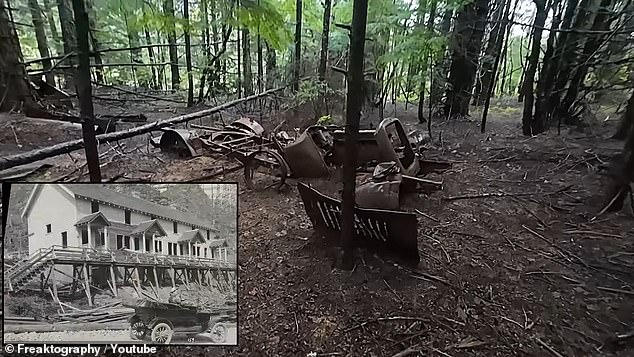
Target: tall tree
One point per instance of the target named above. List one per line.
(325, 35)
(440, 68)
(68, 37)
(168, 10)
(188, 56)
(13, 78)
(532, 125)
(271, 64)
(247, 81)
(84, 91)
(466, 44)
(48, 8)
(354, 103)
(298, 44)
(40, 36)
(92, 21)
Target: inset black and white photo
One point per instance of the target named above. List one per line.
(124, 263)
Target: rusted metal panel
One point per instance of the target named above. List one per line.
(304, 158)
(388, 231)
(406, 158)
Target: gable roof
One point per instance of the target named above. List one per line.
(144, 226)
(104, 195)
(190, 236)
(91, 218)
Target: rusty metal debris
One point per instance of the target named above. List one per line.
(310, 155)
(394, 232)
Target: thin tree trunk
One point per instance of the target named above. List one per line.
(48, 8)
(239, 58)
(168, 10)
(40, 36)
(439, 77)
(271, 64)
(92, 21)
(205, 38)
(325, 36)
(530, 124)
(68, 36)
(298, 44)
(355, 99)
(623, 168)
(247, 83)
(498, 30)
(150, 53)
(84, 91)
(188, 56)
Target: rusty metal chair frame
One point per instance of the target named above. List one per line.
(378, 230)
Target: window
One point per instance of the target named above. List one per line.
(64, 239)
(102, 239)
(198, 251)
(205, 252)
(127, 242)
(94, 207)
(212, 254)
(181, 249)
(128, 215)
(136, 243)
(84, 237)
(175, 227)
(48, 228)
(169, 248)
(160, 247)
(208, 234)
(119, 241)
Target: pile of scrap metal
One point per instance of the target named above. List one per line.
(312, 154)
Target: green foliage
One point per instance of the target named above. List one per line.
(265, 18)
(325, 120)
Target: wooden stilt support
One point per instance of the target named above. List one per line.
(186, 272)
(73, 285)
(113, 279)
(87, 285)
(156, 280)
(173, 277)
(54, 282)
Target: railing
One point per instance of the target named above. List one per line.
(115, 256)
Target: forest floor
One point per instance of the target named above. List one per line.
(524, 272)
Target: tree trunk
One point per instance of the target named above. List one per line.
(40, 36)
(627, 122)
(271, 64)
(150, 53)
(92, 21)
(84, 91)
(530, 124)
(354, 103)
(467, 41)
(547, 74)
(623, 169)
(421, 96)
(205, 40)
(325, 35)
(601, 23)
(497, 30)
(439, 76)
(239, 58)
(260, 65)
(68, 37)
(188, 56)
(168, 10)
(247, 83)
(298, 44)
(48, 7)
(14, 88)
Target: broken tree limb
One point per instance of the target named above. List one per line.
(62, 148)
(505, 194)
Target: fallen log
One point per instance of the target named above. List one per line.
(69, 146)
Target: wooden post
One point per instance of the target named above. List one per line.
(87, 285)
(186, 272)
(156, 278)
(84, 91)
(114, 280)
(54, 281)
(173, 277)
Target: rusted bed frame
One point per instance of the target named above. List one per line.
(392, 232)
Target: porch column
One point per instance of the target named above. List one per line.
(154, 243)
(105, 237)
(225, 251)
(89, 235)
(189, 248)
(143, 243)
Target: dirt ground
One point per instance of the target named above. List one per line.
(513, 260)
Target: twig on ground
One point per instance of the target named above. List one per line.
(427, 216)
(391, 318)
(392, 290)
(548, 348)
(512, 321)
(505, 194)
(594, 233)
(441, 352)
(617, 291)
(408, 351)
